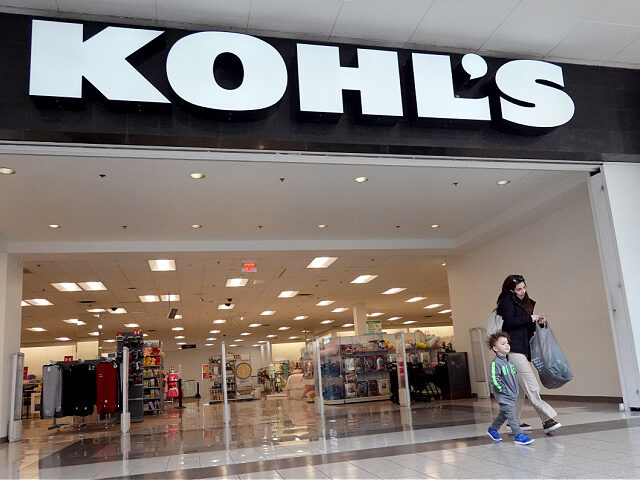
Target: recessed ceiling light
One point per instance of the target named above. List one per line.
(131, 325)
(96, 310)
(433, 305)
(445, 311)
(323, 225)
(196, 226)
(224, 306)
(375, 314)
(178, 317)
(435, 225)
(110, 340)
(208, 344)
(149, 298)
(415, 299)
(324, 303)
(75, 321)
(236, 282)
(179, 337)
(220, 321)
(66, 287)
(271, 336)
(444, 264)
(391, 319)
(254, 325)
(54, 226)
(288, 294)
(92, 286)
(301, 317)
(170, 298)
(63, 339)
(214, 331)
(268, 312)
(233, 345)
(503, 182)
(339, 309)
(262, 341)
(293, 337)
(162, 265)
(322, 262)
(177, 329)
(100, 327)
(36, 329)
(244, 334)
(197, 176)
(117, 311)
(7, 171)
(94, 334)
(238, 340)
(361, 179)
(181, 343)
(24, 304)
(348, 325)
(255, 345)
(408, 322)
(364, 278)
(393, 291)
(282, 328)
(326, 321)
(211, 339)
(39, 302)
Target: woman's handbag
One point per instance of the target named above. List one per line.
(494, 322)
(548, 358)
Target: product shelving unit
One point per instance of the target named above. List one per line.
(153, 378)
(215, 367)
(134, 341)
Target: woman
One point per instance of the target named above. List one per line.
(516, 309)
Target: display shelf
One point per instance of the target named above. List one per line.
(134, 342)
(153, 377)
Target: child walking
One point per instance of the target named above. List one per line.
(505, 388)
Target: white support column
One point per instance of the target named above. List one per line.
(10, 328)
(615, 197)
(360, 318)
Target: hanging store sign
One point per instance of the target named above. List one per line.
(374, 326)
(525, 93)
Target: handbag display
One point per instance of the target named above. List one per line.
(548, 358)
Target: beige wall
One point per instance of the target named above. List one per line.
(559, 258)
(36, 357)
(286, 351)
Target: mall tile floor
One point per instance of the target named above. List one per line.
(281, 438)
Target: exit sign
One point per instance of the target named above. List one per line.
(249, 267)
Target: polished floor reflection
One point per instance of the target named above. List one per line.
(280, 438)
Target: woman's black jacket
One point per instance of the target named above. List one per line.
(517, 322)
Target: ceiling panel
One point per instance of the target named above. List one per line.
(122, 8)
(631, 54)
(596, 41)
(221, 13)
(314, 18)
(580, 9)
(623, 12)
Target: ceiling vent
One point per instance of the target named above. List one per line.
(304, 295)
(26, 271)
(87, 301)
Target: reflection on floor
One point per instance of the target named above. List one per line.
(280, 438)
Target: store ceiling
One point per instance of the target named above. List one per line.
(379, 227)
(603, 32)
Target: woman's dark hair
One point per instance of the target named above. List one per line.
(509, 285)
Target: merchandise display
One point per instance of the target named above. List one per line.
(134, 341)
(153, 377)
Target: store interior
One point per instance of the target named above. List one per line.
(255, 255)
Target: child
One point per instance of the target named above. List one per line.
(505, 386)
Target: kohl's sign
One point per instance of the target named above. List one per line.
(529, 93)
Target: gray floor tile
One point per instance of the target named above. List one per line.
(299, 473)
(272, 474)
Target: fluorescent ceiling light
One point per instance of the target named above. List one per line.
(445, 311)
(339, 310)
(301, 317)
(117, 311)
(99, 327)
(288, 293)
(271, 336)
(408, 322)
(348, 325)
(415, 299)
(262, 341)
(94, 334)
(293, 337)
(37, 329)
(375, 314)
(323, 225)
(96, 310)
(435, 225)
(503, 182)
(361, 179)
(220, 321)
(197, 175)
(364, 278)
(237, 282)
(196, 226)
(39, 302)
(211, 339)
(324, 303)
(433, 305)
(177, 329)
(208, 344)
(326, 321)
(162, 265)
(244, 334)
(282, 328)
(393, 291)
(255, 345)
(74, 321)
(391, 319)
(179, 337)
(131, 325)
(233, 345)
(254, 325)
(268, 312)
(24, 304)
(110, 340)
(63, 339)
(67, 287)
(7, 171)
(223, 306)
(54, 226)
(321, 262)
(238, 340)
(149, 298)
(214, 331)
(178, 317)
(181, 343)
(92, 286)
(170, 298)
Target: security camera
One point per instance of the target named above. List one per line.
(227, 304)
(229, 299)
(113, 309)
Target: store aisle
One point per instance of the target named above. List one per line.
(285, 439)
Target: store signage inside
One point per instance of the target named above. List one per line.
(529, 93)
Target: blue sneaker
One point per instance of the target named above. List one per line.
(522, 439)
(493, 433)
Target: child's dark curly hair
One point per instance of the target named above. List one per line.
(494, 338)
